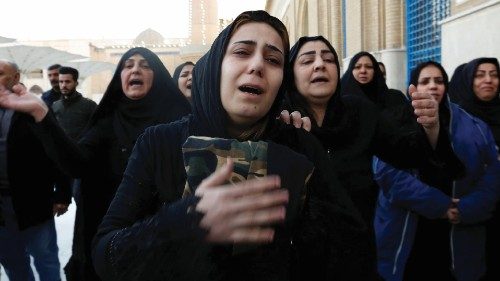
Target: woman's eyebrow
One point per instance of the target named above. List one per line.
(253, 43)
(274, 48)
(308, 53)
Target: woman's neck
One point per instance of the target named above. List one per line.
(244, 132)
(319, 111)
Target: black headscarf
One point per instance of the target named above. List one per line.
(210, 117)
(178, 69)
(455, 87)
(376, 90)
(462, 93)
(442, 175)
(336, 123)
(444, 112)
(163, 103)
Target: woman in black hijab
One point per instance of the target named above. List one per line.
(475, 87)
(247, 230)
(351, 129)
(140, 94)
(364, 78)
(467, 85)
(183, 77)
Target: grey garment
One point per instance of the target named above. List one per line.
(5, 121)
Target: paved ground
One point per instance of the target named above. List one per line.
(64, 227)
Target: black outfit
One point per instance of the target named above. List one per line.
(396, 92)
(73, 113)
(356, 128)
(31, 175)
(50, 96)
(376, 90)
(461, 93)
(101, 155)
(150, 234)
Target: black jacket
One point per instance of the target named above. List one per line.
(101, 154)
(149, 234)
(73, 113)
(50, 96)
(32, 175)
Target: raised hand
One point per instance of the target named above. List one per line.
(243, 212)
(426, 108)
(20, 100)
(297, 120)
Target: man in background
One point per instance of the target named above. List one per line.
(27, 194)
(72, 111)
(50, 96)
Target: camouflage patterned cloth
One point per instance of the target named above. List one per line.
(202, 156)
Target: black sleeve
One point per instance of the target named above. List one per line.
(72, 158)
(400, 141)
(139, 233)
(332, 241)
(403, 143)
(62, 188)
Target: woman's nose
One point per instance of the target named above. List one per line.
(319, 64)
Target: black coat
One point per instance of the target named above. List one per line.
(99, 161)
(50, 96)
(73, 113)
(32, 175)
(358, 126)
(149, 234)
(100, 156)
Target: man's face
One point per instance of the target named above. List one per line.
(54, 78)
(67, 84)
(8, 76)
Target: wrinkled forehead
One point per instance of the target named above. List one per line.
(257, 32)
(315, 47)
(487, 66)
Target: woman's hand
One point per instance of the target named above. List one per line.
(426, 109)
(297, 120)
(453, 214)
(20, 100)
(243, 212)
(425, 106)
